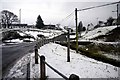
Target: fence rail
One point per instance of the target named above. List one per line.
(43, 63)
(55, 70)
(43, 68)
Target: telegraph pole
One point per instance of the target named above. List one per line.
(117, 15)
(76, 30)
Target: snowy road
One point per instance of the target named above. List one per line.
(11, 53)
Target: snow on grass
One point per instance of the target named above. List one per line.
(102, 42)
(97, 42)
(79, 65)
(72, 36)
(112, 56)
(21, 33)
(14, 41)
(56, 56)
(34, 33)
(99, 31)
(29, 39)
(19, 70)
(17, 41)
(34, 68)
(47, 33)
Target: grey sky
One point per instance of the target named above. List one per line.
(53, 11)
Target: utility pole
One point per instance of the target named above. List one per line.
(117, 14)
(76, 30)
(19, 16)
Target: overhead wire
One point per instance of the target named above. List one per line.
(71, 14)
(98, 6)
(71, 21)
(67, 17)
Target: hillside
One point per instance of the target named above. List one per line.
(111, 36)
(100, 33)
(104, 40)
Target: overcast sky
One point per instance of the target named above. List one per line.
(54, 11)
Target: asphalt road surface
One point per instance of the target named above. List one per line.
(12, 53)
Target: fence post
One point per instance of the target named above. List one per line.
(68, 48)
(43, 41)
(36, 55)
(40, 43)
(73, 77)
(47, 40)
(42, 68)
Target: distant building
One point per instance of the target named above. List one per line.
(17, 26)
(31, 26)
(51, 27)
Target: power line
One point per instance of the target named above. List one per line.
(71, 21)
(67, 17)
(98, 6)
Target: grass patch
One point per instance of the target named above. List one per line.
(94, 54)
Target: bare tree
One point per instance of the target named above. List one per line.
(7, 18)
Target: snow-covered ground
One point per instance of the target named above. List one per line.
(97, 32)
(14, 41)
(47, 33)
(17, 41)
(56, 55)
(19, 70)
(88, 35)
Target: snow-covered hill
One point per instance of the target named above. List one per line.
(98, 32)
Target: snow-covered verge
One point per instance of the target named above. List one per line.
(32, 35)
(47, 33)
(94, 34)
(80, 65)
(19, 70)
(98, 32)
(17, 41)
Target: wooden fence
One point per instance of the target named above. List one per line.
(43, 65)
